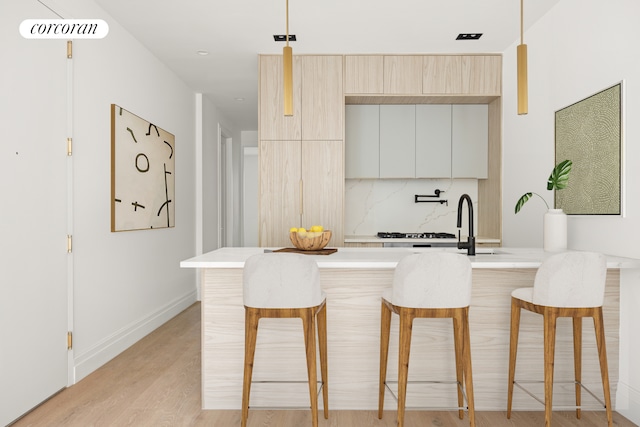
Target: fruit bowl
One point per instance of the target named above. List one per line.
(310, 240)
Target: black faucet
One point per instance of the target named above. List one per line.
(470, 244)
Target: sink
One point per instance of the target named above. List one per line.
(479, 251)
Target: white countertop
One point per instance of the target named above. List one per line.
(384, 258)
(376, 239)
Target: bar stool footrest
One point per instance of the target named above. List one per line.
(430, 408)
(562, 408)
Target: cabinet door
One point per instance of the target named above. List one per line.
(397, 141)
(323, 187)
(470, 141)
(279, 191)
(273, 124)
(482, 74)
(322, 98)
(442, 74)
(433, 141)
(362, 141)
(363, 74)
(403, 74)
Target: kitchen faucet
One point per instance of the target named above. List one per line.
(470, 244)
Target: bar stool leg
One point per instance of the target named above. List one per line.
(458, 341)
(577, 361)
(322, 338)
(598, 324)
(309, 327)
(251, 332)
(385, 331)
(513, 351)
(467, 365)
(406, 325)
(550, 317)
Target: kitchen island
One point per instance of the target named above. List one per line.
(354, 279)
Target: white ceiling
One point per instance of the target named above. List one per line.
(234, 32)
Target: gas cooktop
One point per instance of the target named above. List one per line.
(423, 235)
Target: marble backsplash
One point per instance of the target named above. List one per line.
(373, 205)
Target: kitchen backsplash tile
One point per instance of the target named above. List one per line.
(373, 205)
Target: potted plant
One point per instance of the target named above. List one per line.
(555, 221)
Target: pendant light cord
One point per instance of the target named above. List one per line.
(287, 23)
(521, 21)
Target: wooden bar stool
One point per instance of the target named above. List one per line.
(428, 285)
(572, 285)
(284, 285)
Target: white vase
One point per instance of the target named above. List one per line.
(555, 231)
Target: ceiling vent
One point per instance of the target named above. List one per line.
(283, 38)
(469, 36)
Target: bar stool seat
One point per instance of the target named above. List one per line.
(286, 285)
(569, 284)
(428, 285)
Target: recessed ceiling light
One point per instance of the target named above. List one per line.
(469, 36)
(283, 37)
(203, 53)
(239, 99)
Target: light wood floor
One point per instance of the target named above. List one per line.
(157, 383)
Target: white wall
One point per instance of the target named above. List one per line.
(579, 48)
(128, 283)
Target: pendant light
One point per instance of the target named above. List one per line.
(523, 91)
(287, 62)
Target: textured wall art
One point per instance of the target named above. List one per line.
(589, 134)
(142, 173)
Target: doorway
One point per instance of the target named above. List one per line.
(225, 188)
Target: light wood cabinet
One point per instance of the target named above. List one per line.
(273, 124)
(363, 74)
(323, 187)
(402, 74)
(322, 98)
(433, 141)
(299, 185)
(397, 141)
(362, 141)
(301, 157)
(442, 74)
(469, 141)
(279, 190)
(482, 74)
(462, 75)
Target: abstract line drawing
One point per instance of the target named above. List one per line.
(142, 174)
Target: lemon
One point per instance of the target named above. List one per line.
(301, 230)
(317, 228)
(293, 229)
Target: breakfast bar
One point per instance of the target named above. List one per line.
(353, 280)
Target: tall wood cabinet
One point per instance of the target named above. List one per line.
(301, 157)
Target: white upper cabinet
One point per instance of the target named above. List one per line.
(416, 141)
(470, 141)
(397, 141)
(362, 141)
(433, 141)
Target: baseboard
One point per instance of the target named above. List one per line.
(628, 402)
(110, 347)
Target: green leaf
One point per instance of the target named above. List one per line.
(559, 176)
(522, 201)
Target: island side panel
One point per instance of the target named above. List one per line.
(353, 310)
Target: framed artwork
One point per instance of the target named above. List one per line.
(142, 173)
(589, 133)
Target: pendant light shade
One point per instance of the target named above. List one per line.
(523, 90)
(287, 63)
